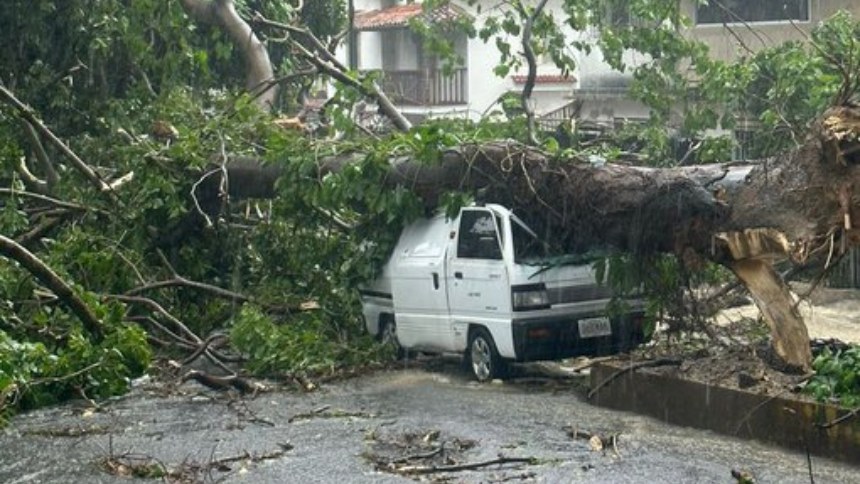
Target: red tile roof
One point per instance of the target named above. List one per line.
(399, 16)
(544, 79)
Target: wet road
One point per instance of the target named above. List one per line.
(325, 436)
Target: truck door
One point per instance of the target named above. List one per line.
(478, 288)
(420, 296)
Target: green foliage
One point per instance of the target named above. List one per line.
(325, 18)
(837, 377)
(309, 343)
(36, 374)
(790, 84)
(661, 280)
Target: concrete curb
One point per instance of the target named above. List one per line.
(781, 419)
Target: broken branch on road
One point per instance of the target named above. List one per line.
(632, 367)
(466, 467)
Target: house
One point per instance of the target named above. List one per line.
(421, 86)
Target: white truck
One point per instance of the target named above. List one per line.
(479, 285)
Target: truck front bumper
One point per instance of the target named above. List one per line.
(554, 337)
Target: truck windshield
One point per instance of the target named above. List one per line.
(528, 249)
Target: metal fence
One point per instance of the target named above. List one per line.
(846, 274)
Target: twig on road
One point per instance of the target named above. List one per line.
(466, 467)
(631, 368)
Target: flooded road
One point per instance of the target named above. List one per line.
(346, 431)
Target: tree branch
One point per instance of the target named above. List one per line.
(31, 181)
(328, 64)
(27, 113)
(179, 281)
(529, 52)
(51, 175)
(13, 250)
(223, 14)
(53, 201)
(158, 308)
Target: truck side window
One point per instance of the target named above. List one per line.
(478, 236)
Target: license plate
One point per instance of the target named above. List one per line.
(593, 327)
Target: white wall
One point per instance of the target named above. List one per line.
(484, 87)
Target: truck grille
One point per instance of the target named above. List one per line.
(570, 294)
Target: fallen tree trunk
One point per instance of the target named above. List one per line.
(803, 205)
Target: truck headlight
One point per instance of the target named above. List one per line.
(530, 296)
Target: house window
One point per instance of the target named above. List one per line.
(618, 14)
(717, 12)
(744, 141)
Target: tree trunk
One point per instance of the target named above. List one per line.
(259, 74)
(773, 298)
(798, 206)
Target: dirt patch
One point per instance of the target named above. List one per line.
(746, 368)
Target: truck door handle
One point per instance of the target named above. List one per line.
(458, 275)
(436, 280)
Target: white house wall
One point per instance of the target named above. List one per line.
(485, 87)
(369, 51)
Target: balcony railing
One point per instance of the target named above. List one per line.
(550, 121)
(425, 87)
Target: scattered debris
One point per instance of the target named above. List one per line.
(225, 383)
(745, 380)
(326, 412)
(71, 431)
(596, 441)
(585, 363)
(245, 414)
(743, 477)
(846, 416)
(188, 471)
(426, 452)
(501, 460)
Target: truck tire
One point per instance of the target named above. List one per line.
(483, 358)
(388, 335)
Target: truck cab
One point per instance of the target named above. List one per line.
(481, 285)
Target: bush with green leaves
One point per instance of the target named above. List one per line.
(837, 377)
(666, 284)
(33, 374)
(310, 343)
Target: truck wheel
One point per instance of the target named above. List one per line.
(388, 336)
(484, 359)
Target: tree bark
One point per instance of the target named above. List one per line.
(773, 298)
(529, 53)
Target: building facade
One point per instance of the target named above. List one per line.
(422, 87)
